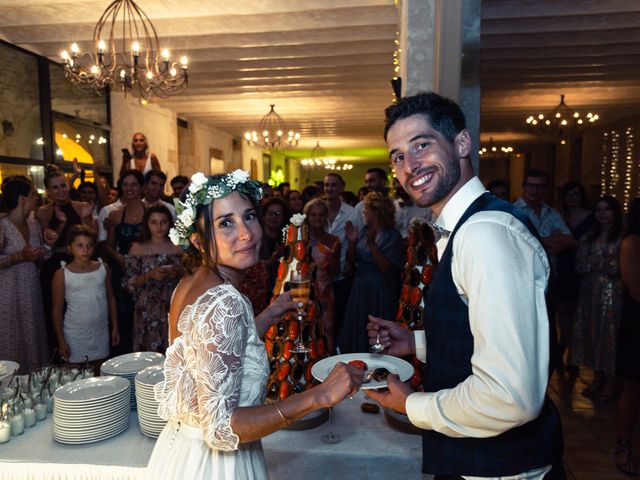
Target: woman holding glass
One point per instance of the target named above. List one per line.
(216, 369)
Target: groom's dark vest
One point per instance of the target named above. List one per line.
(449, 350)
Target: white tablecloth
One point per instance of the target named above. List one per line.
(370, 449)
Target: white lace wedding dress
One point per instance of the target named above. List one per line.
(218, 364)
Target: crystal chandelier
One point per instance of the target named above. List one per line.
(270, 133)
(138, 64)
(562, 122)
(318, 159)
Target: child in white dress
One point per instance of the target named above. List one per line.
(85, 285)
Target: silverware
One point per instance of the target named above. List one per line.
(377, 347)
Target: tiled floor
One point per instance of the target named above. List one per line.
(589, 430)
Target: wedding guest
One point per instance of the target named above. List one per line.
(60, 214)
(376, 181)
(595, 327)
(483, 412)
(275, 216)
(577, 215)
(309, 192)
(125, 226)
(177, 185)
(216, 367)
(349, 198)
(325, 252)
(554, 234)
(141, 159)
(294, 202)
(152, 271)
(284, 188)
(377, 254)
(112, 196)
(154, 182)
(23, 335)
(362, 192)
(84, 303)
(628, 361)
(499, 188)
(339, 214)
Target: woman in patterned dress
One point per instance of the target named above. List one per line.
(595, 327)
(152, 271)
(22, 325)
(216, 367)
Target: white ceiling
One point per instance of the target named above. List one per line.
(326, 64)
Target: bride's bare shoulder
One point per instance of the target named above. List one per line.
(190, 289)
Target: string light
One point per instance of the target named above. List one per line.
(604, 164)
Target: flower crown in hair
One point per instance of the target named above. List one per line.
(202, 191)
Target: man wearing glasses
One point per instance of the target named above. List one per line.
(555, 236)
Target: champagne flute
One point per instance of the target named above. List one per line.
(300, 289)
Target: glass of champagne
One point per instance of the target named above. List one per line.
(300, 289)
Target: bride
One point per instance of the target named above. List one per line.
(216, 368)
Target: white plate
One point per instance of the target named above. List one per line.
(131, 363)
(150, 376)
(90, 439)
(395, 365)
(91, 389)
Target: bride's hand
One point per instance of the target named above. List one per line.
(344, 380)
(274, 312)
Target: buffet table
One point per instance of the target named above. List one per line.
(370, 449)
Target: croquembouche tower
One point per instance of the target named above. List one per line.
(422, 260)
(291, 372)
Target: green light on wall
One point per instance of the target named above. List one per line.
(276, 177)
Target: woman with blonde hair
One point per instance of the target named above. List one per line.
(378, 256)
(141, 159)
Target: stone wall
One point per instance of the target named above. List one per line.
(196, 145)
(19, 105)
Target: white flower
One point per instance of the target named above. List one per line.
(198, 180)
(186, 217)
(236, 177)
(174, 236)
(298, 219)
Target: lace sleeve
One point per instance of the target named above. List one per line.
(219, 335)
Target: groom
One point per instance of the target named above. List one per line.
(486, 340)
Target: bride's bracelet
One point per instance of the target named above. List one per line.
(280, 413)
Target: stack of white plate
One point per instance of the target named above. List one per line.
(128, 365)
(150, 423)
(91, 410)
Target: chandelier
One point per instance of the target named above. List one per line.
(493, 151)
(318, 159)
(138, 63)
(562, 122)
(270, 133)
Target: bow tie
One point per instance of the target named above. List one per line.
(443, 232)
(405, 203)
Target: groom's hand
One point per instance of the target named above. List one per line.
(396, 339)
(394, 397)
